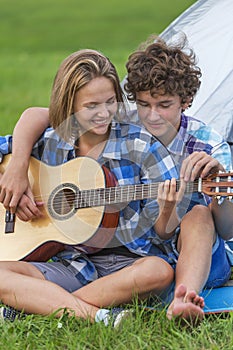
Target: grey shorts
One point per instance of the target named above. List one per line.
(66, 276)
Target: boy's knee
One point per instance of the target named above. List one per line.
(199, 214)
(201, 210)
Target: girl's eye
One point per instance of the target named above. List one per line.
(92, 106)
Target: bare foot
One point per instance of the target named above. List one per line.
(186, 305)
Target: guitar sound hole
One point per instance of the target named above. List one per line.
(61, 203)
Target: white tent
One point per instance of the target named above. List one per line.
(208, 25)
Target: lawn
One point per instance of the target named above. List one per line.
(147, 331)
(35, 37)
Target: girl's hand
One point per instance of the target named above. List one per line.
(27, 209)
(13, 183)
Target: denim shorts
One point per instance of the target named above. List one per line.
(57, 272)
(220, 272)
(67, 276)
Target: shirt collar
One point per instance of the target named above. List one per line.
(112, 149)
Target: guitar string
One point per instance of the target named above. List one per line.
(109, 195)
(117, 194)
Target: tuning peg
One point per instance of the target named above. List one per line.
(219, 199)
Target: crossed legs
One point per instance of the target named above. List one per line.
(24, 287)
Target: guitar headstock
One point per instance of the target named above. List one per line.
(218, 185)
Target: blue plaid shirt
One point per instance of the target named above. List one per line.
(134, 157)
(194, 135)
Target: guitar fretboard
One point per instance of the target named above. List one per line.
(121, 194)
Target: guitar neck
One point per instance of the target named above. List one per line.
(122, 194)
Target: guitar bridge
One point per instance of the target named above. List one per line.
(9, 222)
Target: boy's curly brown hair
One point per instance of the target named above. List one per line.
(163, 68)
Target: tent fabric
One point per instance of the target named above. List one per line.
(208, 26)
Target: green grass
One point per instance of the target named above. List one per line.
(147, 331)
(36, 35)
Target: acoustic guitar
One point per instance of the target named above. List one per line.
(80, 207)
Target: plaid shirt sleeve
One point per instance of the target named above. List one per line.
(222, 153)
(5, 144)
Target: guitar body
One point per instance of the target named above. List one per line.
(62, 223)
(80, 200)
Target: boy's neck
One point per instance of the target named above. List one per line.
(167, 138)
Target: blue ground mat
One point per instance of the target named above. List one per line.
(218, 300)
